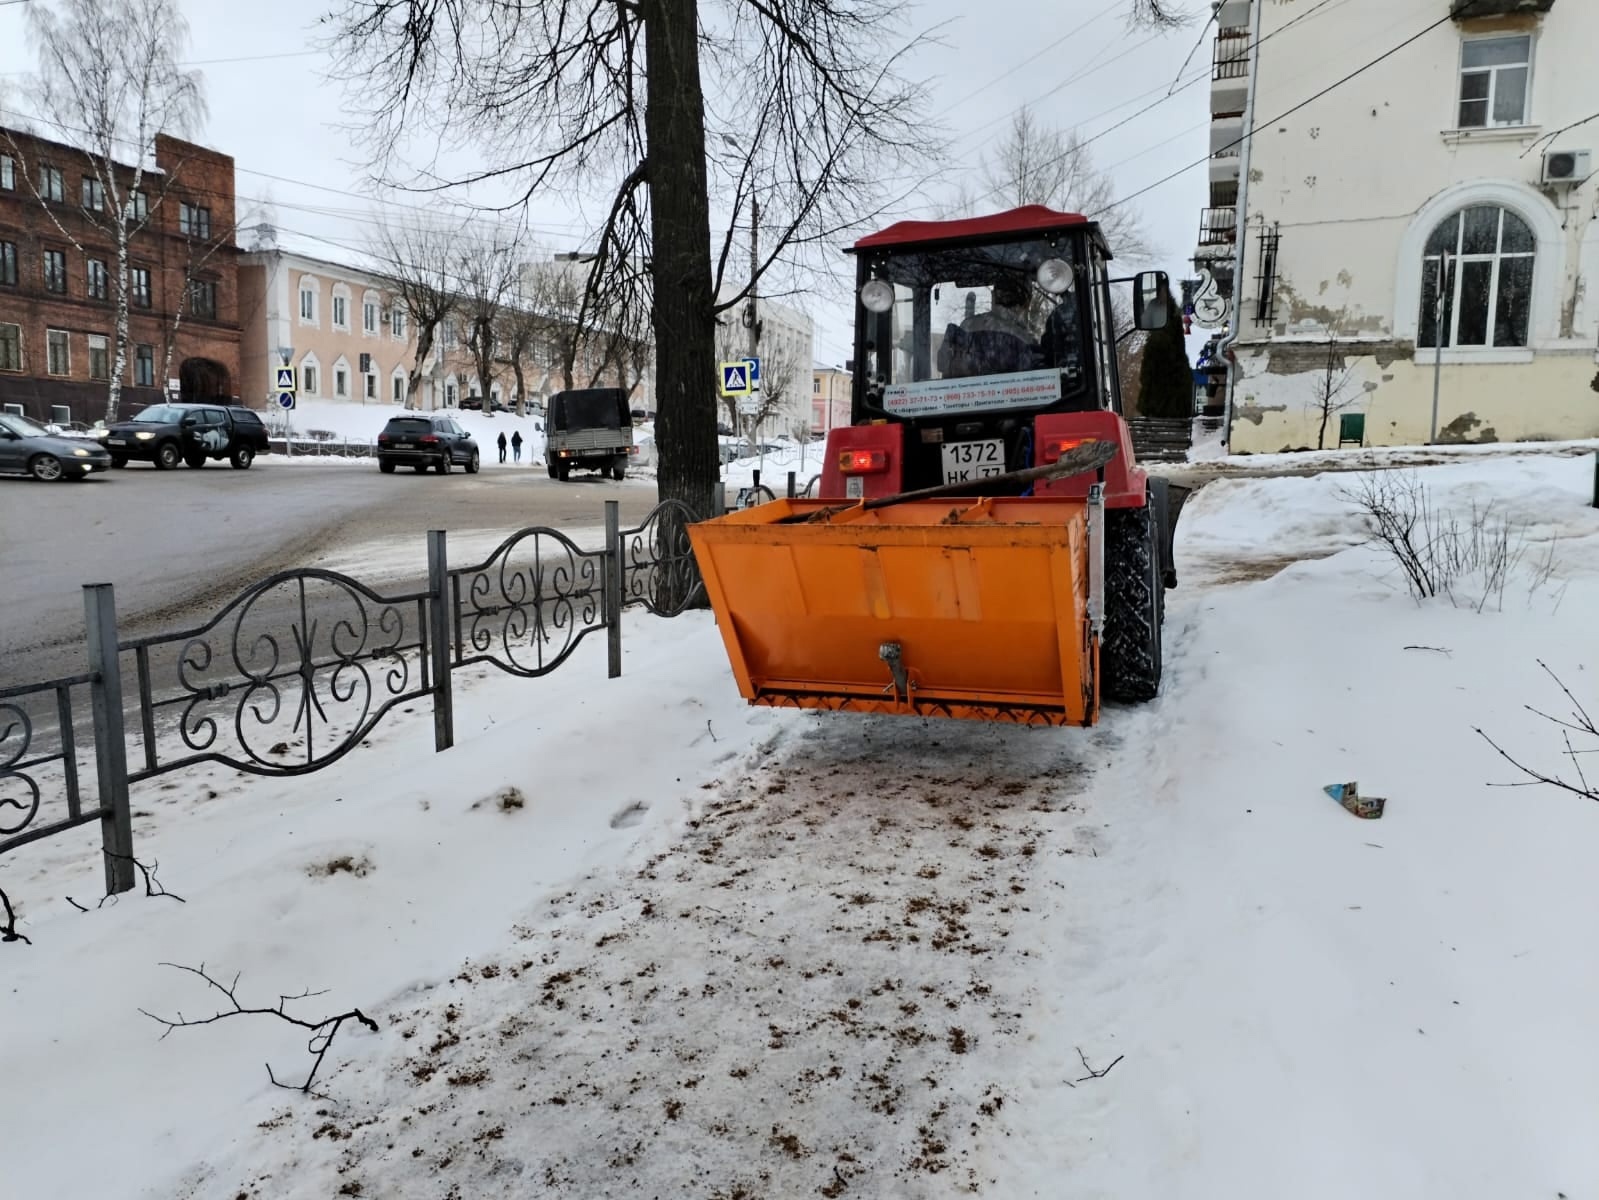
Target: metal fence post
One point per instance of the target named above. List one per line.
(110, 743)
(791, 485)
(1596, 480)
(439, 641)
(613, 588)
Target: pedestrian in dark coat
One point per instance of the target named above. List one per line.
(516, 445)
(502, 447)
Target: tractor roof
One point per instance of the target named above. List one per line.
(1030, 218)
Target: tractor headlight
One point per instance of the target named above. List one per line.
(1055, 276)
(878, 295)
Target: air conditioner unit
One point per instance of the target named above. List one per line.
(1567, 166)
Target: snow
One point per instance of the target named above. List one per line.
(351, 420)
(1213, 455)
(724, 951)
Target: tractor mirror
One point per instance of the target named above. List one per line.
(1151, 300)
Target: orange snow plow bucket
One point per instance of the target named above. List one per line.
(981, 609)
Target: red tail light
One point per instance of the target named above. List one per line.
(383, 439)
(862, 462)
(1052, 449)
(428, 440)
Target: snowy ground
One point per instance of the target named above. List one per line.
(632, 938)
(352, 421)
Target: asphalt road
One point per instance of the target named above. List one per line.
(178, 545)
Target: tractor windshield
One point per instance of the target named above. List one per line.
(975, 328)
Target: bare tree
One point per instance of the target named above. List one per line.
(419, 264)
(518, 337)
(1036, 164)
(195, 299)
(1158, 14)
(1330, 390)
(486, 270)
(591, 96)
(109, 76)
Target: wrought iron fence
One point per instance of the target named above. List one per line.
(296, 671)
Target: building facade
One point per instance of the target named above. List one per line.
(58, 279)
(1426, 227)
(346, 338)
(786, 342)
(830, 398)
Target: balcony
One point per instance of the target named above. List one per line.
(1461, 10)
(1218, 226)
(1229, 86)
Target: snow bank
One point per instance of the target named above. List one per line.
(709, 950)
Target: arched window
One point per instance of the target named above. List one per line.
(1484, 255)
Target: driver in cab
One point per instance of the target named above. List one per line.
(994, 342)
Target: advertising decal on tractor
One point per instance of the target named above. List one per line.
(933, 397)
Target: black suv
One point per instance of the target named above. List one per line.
(169, 434)
(424, 440)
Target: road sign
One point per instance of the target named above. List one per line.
(754, 365)
(285, 382)
(736, 378)
(749, 405)
(285, 399)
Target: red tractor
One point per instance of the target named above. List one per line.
(985, 367)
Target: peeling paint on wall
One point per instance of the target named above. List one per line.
(1256, 413)
(1459, 430)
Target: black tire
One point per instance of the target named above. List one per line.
(563, 471)
(443, 465)
(118, 461)
(167, 456)
(385, 466)
(551, 468)
(46, 468)
(242, 457)
(194, 461)
(472, 464)
(619, 472)
(1130, 647)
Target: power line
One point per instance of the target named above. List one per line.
(1385, 55)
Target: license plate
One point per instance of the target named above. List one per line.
(115, 442)
(965, 461)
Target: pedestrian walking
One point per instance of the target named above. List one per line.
(516, 445)
(502, 447)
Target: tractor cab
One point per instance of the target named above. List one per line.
(973, 339)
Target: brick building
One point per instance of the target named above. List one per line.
(58, 291)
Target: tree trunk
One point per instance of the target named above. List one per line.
(113, 400)
(521, 387)
(413, 383)
(680, 228)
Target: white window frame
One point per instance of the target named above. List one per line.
(341, 298)
(341, 378)
(104, 348)
(1549, 267)
(449, 395)
(371, 385)
(309, 384)
(397, 389)
(1461, 70)
(66, 339)
(8, 173)
(310, 286)
(397, 322)
(371, 306)
(21, 358)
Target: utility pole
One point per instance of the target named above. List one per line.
(751, 318)
(1438, 342)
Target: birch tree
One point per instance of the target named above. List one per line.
(108, 77)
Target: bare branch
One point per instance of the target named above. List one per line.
(322, 1031)
(152, 886)
(1093, 1074)
(1582, 724)
(8, 931)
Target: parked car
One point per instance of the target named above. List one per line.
(471, 404)
(592, 428)
(169, 434)
(423, 440)
(28, 448)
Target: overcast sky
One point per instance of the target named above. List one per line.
(272, 108)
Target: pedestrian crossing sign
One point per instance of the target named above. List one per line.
(736, 378)
(285, 380)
